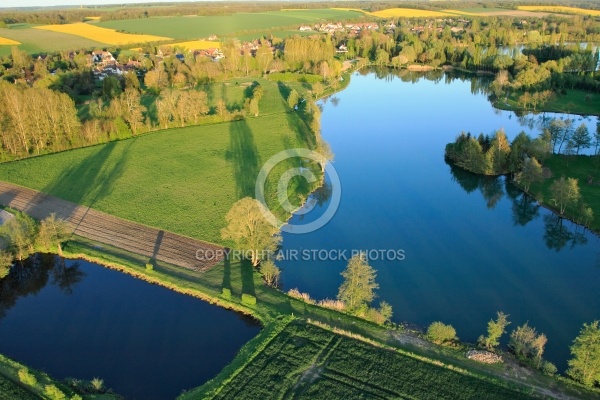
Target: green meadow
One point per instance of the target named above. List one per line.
(182, 180)
(194, 27)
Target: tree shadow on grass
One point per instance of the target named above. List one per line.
(296, 118)
(244, 157)
(94, 177)
(247, 275)
(226, 270)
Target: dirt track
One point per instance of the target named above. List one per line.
(104, 228)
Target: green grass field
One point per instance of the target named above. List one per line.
(199, 27)
(574, 101)
(37, 41)
(307, 362)
(182, 180)
(579, 167)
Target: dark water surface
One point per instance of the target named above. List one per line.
(473, 245)
(81, 320)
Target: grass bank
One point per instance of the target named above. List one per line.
(17, 381)
(581, 168)
(574, 102)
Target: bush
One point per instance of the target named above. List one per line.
(54, 393)
(27, 378)
(97, 384)
(248, 299)
(548, 368)
(149, 267)
(440, 333)
(226, 293)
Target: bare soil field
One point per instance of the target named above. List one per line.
(98, 226)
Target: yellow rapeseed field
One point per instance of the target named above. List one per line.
(561, 9)
(197, 45)
(102, 35)
(8, 42)
(407, 13)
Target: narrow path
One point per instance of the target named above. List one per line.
(105, 228)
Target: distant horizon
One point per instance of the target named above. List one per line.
(11, 4)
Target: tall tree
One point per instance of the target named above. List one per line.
(132, 109)
(53, 231)
(248, 228)
(525, 342)
(495, 331)
(531, 173)
(359, 284)
(581, 138)
(584, 367)
(565, 192)
(20, 233)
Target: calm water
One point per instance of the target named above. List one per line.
(83, 321)
(473, 246)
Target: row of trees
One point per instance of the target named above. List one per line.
(34, 120)
(528, 345)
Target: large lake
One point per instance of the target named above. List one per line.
(472, 246)
(81, 320)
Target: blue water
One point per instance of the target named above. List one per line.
(471, 248)
(84, 321)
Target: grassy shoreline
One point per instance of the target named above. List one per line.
(574, 102)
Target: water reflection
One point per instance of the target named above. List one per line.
(32, 275)
(558, 233)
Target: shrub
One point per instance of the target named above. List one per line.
(548, 368)
(226, 293)
(54, 393)
(374, 315)
(26, 377)
(440, 333)
(149, 266)
(97, 384)
(248, 299)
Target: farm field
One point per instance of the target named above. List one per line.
(8, 42)
(307, 362)
(200, 27)
(561, 9)
(100, 34)
(407, 13)
(185, 179)
(41, 41)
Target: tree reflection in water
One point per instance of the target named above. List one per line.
(30, 276)
(558, 232)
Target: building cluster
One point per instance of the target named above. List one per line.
(332, 27)
(105, 64)
(438, 25)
